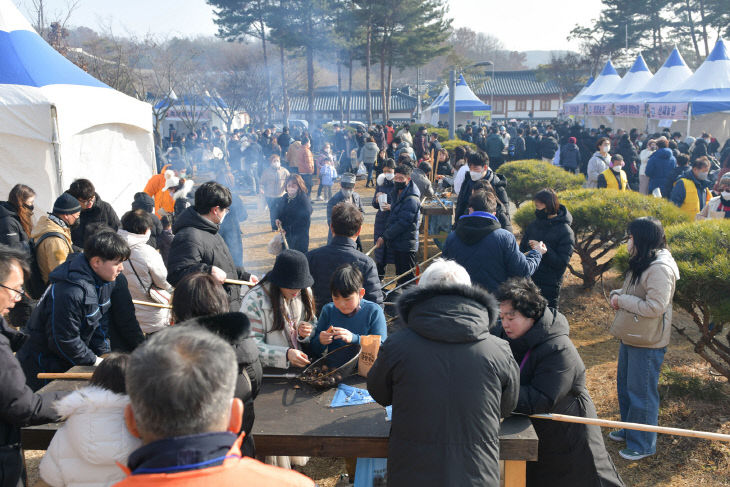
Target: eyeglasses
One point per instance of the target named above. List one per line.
(19, 292)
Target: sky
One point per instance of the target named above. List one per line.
(534, 25)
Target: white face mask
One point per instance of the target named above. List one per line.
(476, 175)
(389, 175)
(702, 176)
(607, 148)
(346, 192)
(223, 218)
(276, 165)
(617, 169)
(725, 195)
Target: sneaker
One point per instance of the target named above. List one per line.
(319, 198)
(617, 435)
(634, 455)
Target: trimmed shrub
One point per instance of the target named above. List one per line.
(703, 288)
(452, 144)
(600, 220)
(526, 178)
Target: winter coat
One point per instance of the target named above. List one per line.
(150, 272)
(85, 449)
(713, 209)
(569, 157)
(19, 406)
(548, 147)
(164, 243)
(327, 175)
(143, 201)
(652, 295)
(520, 148)
(381, 218)
(369, 153)
(342, 250)
(690, 194)
(596, 165)
(499, 184)
(420, 179)
(699, 150)
(552, 380)
(235, 328)
(449, 381)
(272, 345)
(488, 252)
(292, 154)
(272, 182)
(197, 247)
(296, 216)
(401, 229)
(230, 230)
(305, 160)
(627, 149)
(101, 213)
(558, 237)
(420, 144)
(65, 328)
(405, 136)
(12, 233)
(337, 198)
(52, 251)
(494, 146)
(532, 146)
(659, 168)
(120, 323)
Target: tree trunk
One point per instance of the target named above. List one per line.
(266, 70)
(284, 94)
(703, 21)
(389, 89)
(383, 99)
(310, 70)
(368, 101)
(691, 23)
(339, 88)
(349, 91)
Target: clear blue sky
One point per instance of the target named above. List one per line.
(536, 24)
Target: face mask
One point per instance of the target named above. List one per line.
(607, 148)
(475, 175)
(292, 192)
(400, 185)
(276, 165)
(702, 176)
(617, 169)
(725, 195)
(346, 192)
(389, 176)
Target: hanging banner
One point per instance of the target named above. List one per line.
(599, 109)
(672, 111)
(629, 110)
(576, 109)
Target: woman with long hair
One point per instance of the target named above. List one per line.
(551, 226)
(16, 217)
(643, 323)
(294, 213)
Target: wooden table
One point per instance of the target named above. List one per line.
(299, 422)
(429, 208)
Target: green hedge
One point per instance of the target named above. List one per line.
(452, 144)
(600, 220)
(701, 250)
(526, 178)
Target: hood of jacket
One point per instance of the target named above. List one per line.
(143, 201)
(76, 270)
(496, 180)
(550, 325)
(664, 257)
(8, 210)
(191, 218)
(46, 225)
(472, 228)
(563, 217)
(95, 425)
(133, 239)
(664, 153)
(450, 313)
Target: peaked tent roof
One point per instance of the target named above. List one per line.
(580, 93)
(633, 81)
(673, 73)
(709, 88)
(466, 100)
(444, 93)
(603, 84)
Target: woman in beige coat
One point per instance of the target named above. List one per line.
(643, 324)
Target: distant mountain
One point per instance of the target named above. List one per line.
(535, 58)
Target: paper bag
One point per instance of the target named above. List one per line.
(369, 346)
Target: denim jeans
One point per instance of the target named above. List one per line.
(637, 379)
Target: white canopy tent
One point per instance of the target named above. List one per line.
(58, 123)
(466, 104)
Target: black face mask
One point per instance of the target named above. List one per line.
(541, 214)
(400, 185)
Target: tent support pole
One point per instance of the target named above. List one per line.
(689, 119)
(56, 150)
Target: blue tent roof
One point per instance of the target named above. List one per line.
(26, 59)
(674, 59)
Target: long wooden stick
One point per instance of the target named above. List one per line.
(633, 426)
(283, 237)
(65, 375)
(411, 270)
(151, 304)
(372, 249)
(240, 283)
(439, 200)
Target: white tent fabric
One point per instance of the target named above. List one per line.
(57, 123)
(672, 74)
(431, 113)
(465, 99)
(603, 84)
(633, 81)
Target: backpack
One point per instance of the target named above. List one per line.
(35, 286)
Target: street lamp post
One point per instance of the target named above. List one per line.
(452, 104)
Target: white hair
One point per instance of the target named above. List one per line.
(444, 272)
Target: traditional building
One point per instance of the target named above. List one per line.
(519, 94)
(327, 105)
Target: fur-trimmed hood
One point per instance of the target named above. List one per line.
(450, 313)
(88, 400)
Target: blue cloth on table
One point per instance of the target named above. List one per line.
(350, 396)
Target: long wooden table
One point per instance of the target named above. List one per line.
(299, 422)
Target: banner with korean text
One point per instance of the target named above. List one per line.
(672, 111)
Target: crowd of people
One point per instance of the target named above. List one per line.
(178, 402)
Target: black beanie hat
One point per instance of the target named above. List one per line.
(291, 271)
(66, 205)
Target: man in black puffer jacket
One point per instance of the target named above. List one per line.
(479, 164)
(94, 211)
(570, 156)
(448, 381)
(198, 247)
(143, 201)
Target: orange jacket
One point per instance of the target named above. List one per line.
(305, 160)
(235, 470)
(156, 188)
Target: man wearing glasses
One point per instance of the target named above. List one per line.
(19, 406)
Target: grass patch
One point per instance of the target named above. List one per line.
(675, 384)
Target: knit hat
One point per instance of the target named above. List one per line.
(725, 179)
(291, 271)
(66, 205)
(571, 140)
(348, 178)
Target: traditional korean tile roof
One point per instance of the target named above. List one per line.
(326, 101)
(512, 83)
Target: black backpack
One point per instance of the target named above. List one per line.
(35, 287)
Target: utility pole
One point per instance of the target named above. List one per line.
(452, 104)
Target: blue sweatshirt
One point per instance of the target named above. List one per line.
(369, 320)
